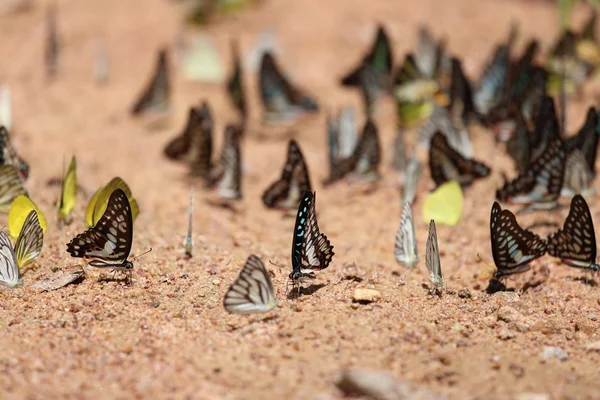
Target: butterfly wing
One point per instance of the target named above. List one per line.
(228, 173)
(100, 200)
(578, 176)
(444, 205)
(252, 292)
(156, 95)
(317, 251)
(512, 246)
(405, 248)
(30, 241)
(68, 195)
(11, 187)
(575, 243)
(108, 243)
(368, 153)
(19, 210)
(201, 147)
(9, 156)
(432, 257)
(9, 269)
(414, 170)
(586, 140)
(235, 86)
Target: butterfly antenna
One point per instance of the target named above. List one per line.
(485, 262)
(146, 252)
(277, 265)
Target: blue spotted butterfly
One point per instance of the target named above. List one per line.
(311, 250)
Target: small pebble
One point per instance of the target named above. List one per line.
(464, 294)
(216, 282)
(592, 317)
(365, 296)
(506, 334)
(554, 352)
(595, 346)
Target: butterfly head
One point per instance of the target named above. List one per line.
(128, 265)
(297, 276)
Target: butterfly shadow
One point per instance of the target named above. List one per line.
(296, 292)
(495, 285)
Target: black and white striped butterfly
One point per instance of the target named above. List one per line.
(9, 269)
(579, 178)
(156, 96)
(235, 84)
(586, 140)
(432, 257)
(405, 248)
(294, 181)
(311, 250)
(575, 243)
(512, 246)
(252, 292)
(446, 164)
(108, 243)
(226, 174)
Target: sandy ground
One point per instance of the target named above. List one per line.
(167, 335)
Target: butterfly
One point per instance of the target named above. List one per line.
(461, 105)
(226, 174)
(19, 211)
(575, 243)
(52, 49)
(235, 84)
(445, 204)
(156, 95)
(342, 134)
(108, 243)
(188, 243)
(99, 201)
(311, 250)
(518, 146)
(405, 248)
(542, 183)
(432, 257)
(414, 170)
(512, 246)
(280, 99)
(578, 176)
(586, 140)
(5, 107)
(546, 128)
(446, 164)
(439, 121)
(400, 161)
(9, 269)
(11, 186)
(194, 145)
(68, 193)
(428, 53)
(294, 181)
(252, 292)
(9, 156)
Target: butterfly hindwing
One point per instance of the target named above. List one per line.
(252, 292)
(405, 248)
(9, 269)
(30, 241)
(432, 258)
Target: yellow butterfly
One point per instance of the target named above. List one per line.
(99, 201)
(11, 186)
(19, 211)
(444, 205)
(68, 194)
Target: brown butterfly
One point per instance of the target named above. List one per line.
(226, 174)
(156, 95)
(9, 156)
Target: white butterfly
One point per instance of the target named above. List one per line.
(9, 269)
(252, 292)
(432, 258)
(412, 177)
(406, 245)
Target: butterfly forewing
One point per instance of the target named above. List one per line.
(9, 269)
(252, 292)
(512, 246)
(227, 174)
(575, 243)
(405, 247)
(432, 257)
(108, 243)
(30, 241)
(156, 95)
(11, 186)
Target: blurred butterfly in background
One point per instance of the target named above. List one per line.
(586, 140)
(342, 135)
(52, 49)
(405, 248)
(413, 173)
(108, 243)
(513, 247)
(252, 292)
(461, 107)
(19, 211)
(11, 186)
(226, 174)
(446, 164)
(519, 145)
(575, 243)
(235, 84)
(287, 190)
(156, 96)
(281, 100)
(9, 156)
(99, 201)
(439, 121)
(444, 205)
(68, 193)
(432, 257)
(5, 107)
(578, 178)
(311, 250)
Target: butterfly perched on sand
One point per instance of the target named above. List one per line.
(99, 201)
(280, 99)
(444, 204)
(235, 84)
(27, 248)
(311, 250)
(194, 145)
(432, 256)
(541, 184)
(575, 243)
(446, 164)
(226, 174)
(429, 54)
(108, 243)
(512, 246)
(413, 173)
(9, 156)
(252, 292)
(342, 134)
(439, 121)
(156, 96)
(586, 140)
(11, 186)
(52, 43)
(19, 211)
(68, 193)
(405, 248)
(461, 106)
(294, 181)
(519, 146)
(578, 178)
(365, 159)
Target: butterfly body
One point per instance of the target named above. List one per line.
(311, 250)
